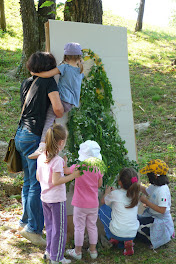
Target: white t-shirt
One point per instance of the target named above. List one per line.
(159, 195)
(51, 193)
(124, 221)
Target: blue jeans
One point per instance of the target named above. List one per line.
(26, 143)
(105, 217)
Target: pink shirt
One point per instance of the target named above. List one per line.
(51, 193)
(86, 189)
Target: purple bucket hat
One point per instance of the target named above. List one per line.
(72, 48)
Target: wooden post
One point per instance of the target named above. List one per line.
(47, 37)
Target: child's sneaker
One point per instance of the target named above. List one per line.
(128, 251)
(38, 151)
(63, 261)
(73, 254)
(114, 241)
(46, 255)
(93, 254)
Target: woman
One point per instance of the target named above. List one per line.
(43, 93)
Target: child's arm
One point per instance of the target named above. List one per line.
(143, 189)
(57, 179)
(107, 191)
(155, 207)
(66, 169)
(47, 74)
(100, 182)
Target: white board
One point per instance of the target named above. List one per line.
(110, 44)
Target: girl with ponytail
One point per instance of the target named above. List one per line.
(50, 174)
(119, 210)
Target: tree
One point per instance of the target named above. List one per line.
(140, 16)
(2, 16)
(33, 19)
(87, 11)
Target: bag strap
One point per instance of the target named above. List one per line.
(27, 97)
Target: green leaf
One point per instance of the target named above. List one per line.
(68, 1)
(46, 4)
(52, 12)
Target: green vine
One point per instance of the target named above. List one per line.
(91, 164)
(94, 120)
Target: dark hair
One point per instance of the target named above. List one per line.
(53, 136)
(41, 61)
(133, 188)
(159, 180)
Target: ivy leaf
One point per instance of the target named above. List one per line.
(92, 163)
(46, 4)
(52, 12)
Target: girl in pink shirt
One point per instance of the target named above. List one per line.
(50, 174)
(85, 201)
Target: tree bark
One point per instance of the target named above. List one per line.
(140, 16)
(42, 18)
(33, 29)
(2, 16)
(87, 11)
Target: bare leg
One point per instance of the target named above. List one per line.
(78, 250)
(92, 247)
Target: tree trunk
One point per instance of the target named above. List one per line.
(33, 29)
(42, 18)
(140, 16)
(30, 32)
(2, 16)
(87, 11)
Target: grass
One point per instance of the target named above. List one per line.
(152, 78)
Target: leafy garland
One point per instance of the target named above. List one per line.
(91, 164)
(94, 120)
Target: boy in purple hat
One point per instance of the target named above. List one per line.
(69, 85)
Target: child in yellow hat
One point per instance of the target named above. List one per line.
(156, 224)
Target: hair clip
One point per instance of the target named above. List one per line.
(134, 179)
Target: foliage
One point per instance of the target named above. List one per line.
(91, 164)
(59, 8)
(150, 55)
(172, 20)
(94, 120)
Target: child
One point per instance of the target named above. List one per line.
(50, 174)
(69, 85)
(119, 210)
(85, 201)
(156, 224)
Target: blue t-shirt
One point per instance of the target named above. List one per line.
(69, 84)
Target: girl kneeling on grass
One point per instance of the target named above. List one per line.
(119, 210)
(156, 224)
(50, 174)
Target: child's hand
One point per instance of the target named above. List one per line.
(76, 174)
(108, 190)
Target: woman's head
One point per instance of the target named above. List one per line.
(55, 140)
(41, 61)
(128, 179)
